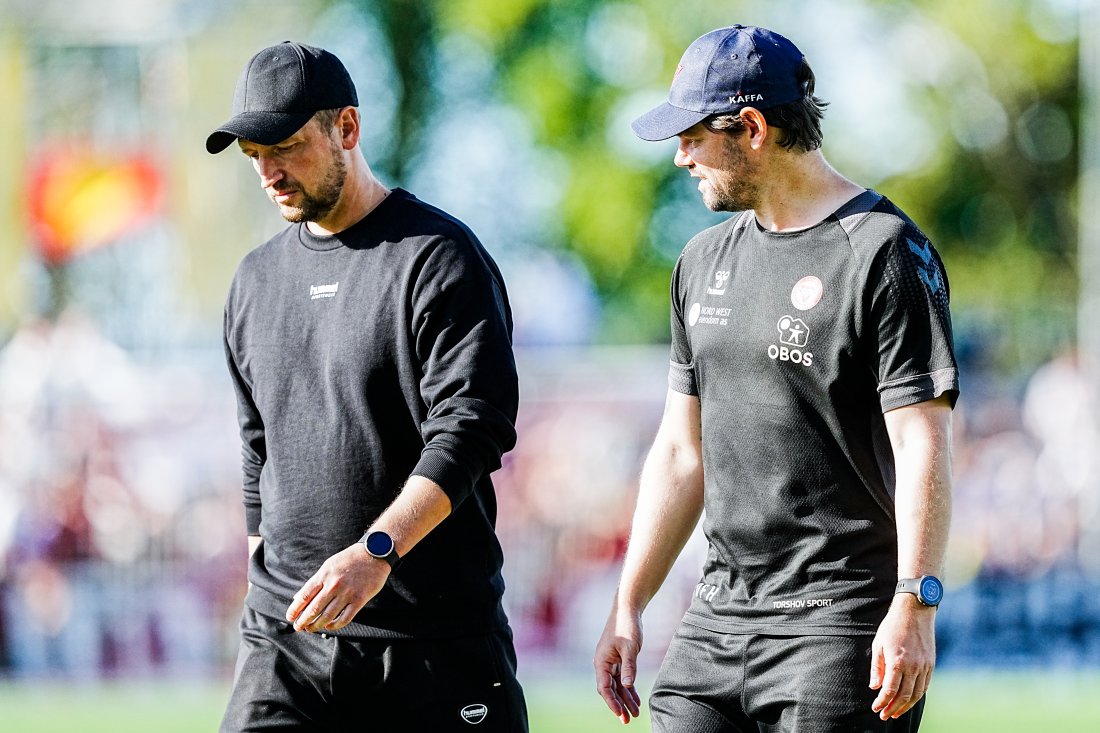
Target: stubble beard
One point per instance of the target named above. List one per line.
(318, 204)
(734, 187)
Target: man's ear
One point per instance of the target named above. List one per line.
(756, 126)
(347, 125)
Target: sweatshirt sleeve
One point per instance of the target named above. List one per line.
(253, 439)
(462, 330)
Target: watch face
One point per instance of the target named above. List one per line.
(379, 544)
(931, 590)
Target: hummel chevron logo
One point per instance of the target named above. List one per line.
(929, 273)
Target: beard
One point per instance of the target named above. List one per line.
(318, 203)
(731, 187)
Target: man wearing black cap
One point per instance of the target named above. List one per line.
(369, 345)
(808, 418)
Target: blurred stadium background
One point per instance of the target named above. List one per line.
(121, 531)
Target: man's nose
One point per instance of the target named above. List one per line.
(269, 170)
(682, 159)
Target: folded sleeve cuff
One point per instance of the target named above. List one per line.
(681, 378)
(920, 388)
(252, 514)
(452, 476)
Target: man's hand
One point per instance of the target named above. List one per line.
(330, 599)
(903, 655)
(616, 664)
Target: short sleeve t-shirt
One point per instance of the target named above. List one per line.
(796, 343)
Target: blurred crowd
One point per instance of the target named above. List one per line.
(1024, 559)
(121, 548)
(121, 531)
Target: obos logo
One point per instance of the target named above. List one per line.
(474, 714)
(794, 334)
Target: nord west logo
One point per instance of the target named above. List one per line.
(323, 291)
(929, 272)
(474, 714)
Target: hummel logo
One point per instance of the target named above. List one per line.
(474, 714)
(930, 274)
(323, 291)
(720, 279)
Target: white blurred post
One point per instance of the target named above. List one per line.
(1088, 314)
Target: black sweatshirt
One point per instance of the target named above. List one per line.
(360, 359)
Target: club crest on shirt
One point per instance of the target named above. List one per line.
(807, 293)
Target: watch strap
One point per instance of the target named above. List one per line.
(908, 585)
(916, 586)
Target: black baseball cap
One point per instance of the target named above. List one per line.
(280, 90)
(721, 72)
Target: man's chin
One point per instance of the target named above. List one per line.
(292, 214)
(722, 202)
(716, 204)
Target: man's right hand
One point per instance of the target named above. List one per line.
(616, 664)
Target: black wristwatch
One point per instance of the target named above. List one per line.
(380, 545)
(927, 588)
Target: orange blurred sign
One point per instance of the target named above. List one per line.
(80, 201)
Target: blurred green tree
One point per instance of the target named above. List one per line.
(995, 190)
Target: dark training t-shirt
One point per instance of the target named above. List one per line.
(796, 343)
(358, 360)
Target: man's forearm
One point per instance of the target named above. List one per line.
(417, 510)
(921, 439)
(903, 653)
(670, 502)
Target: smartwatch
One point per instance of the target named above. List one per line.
(380, 545)
(927, 588)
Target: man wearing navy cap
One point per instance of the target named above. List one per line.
(369, 345)
(808, 420)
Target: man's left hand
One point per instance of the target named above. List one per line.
(330, 599)
(903, 655)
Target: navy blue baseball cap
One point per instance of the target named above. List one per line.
(279, 91)
(721, 72)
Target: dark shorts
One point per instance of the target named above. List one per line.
(734, 683)
(303, 682)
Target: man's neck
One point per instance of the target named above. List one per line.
(801, 190)
(362, 193)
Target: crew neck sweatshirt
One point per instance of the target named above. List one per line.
(359, 359)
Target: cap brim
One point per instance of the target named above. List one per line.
(665, 121)
(263, 128)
